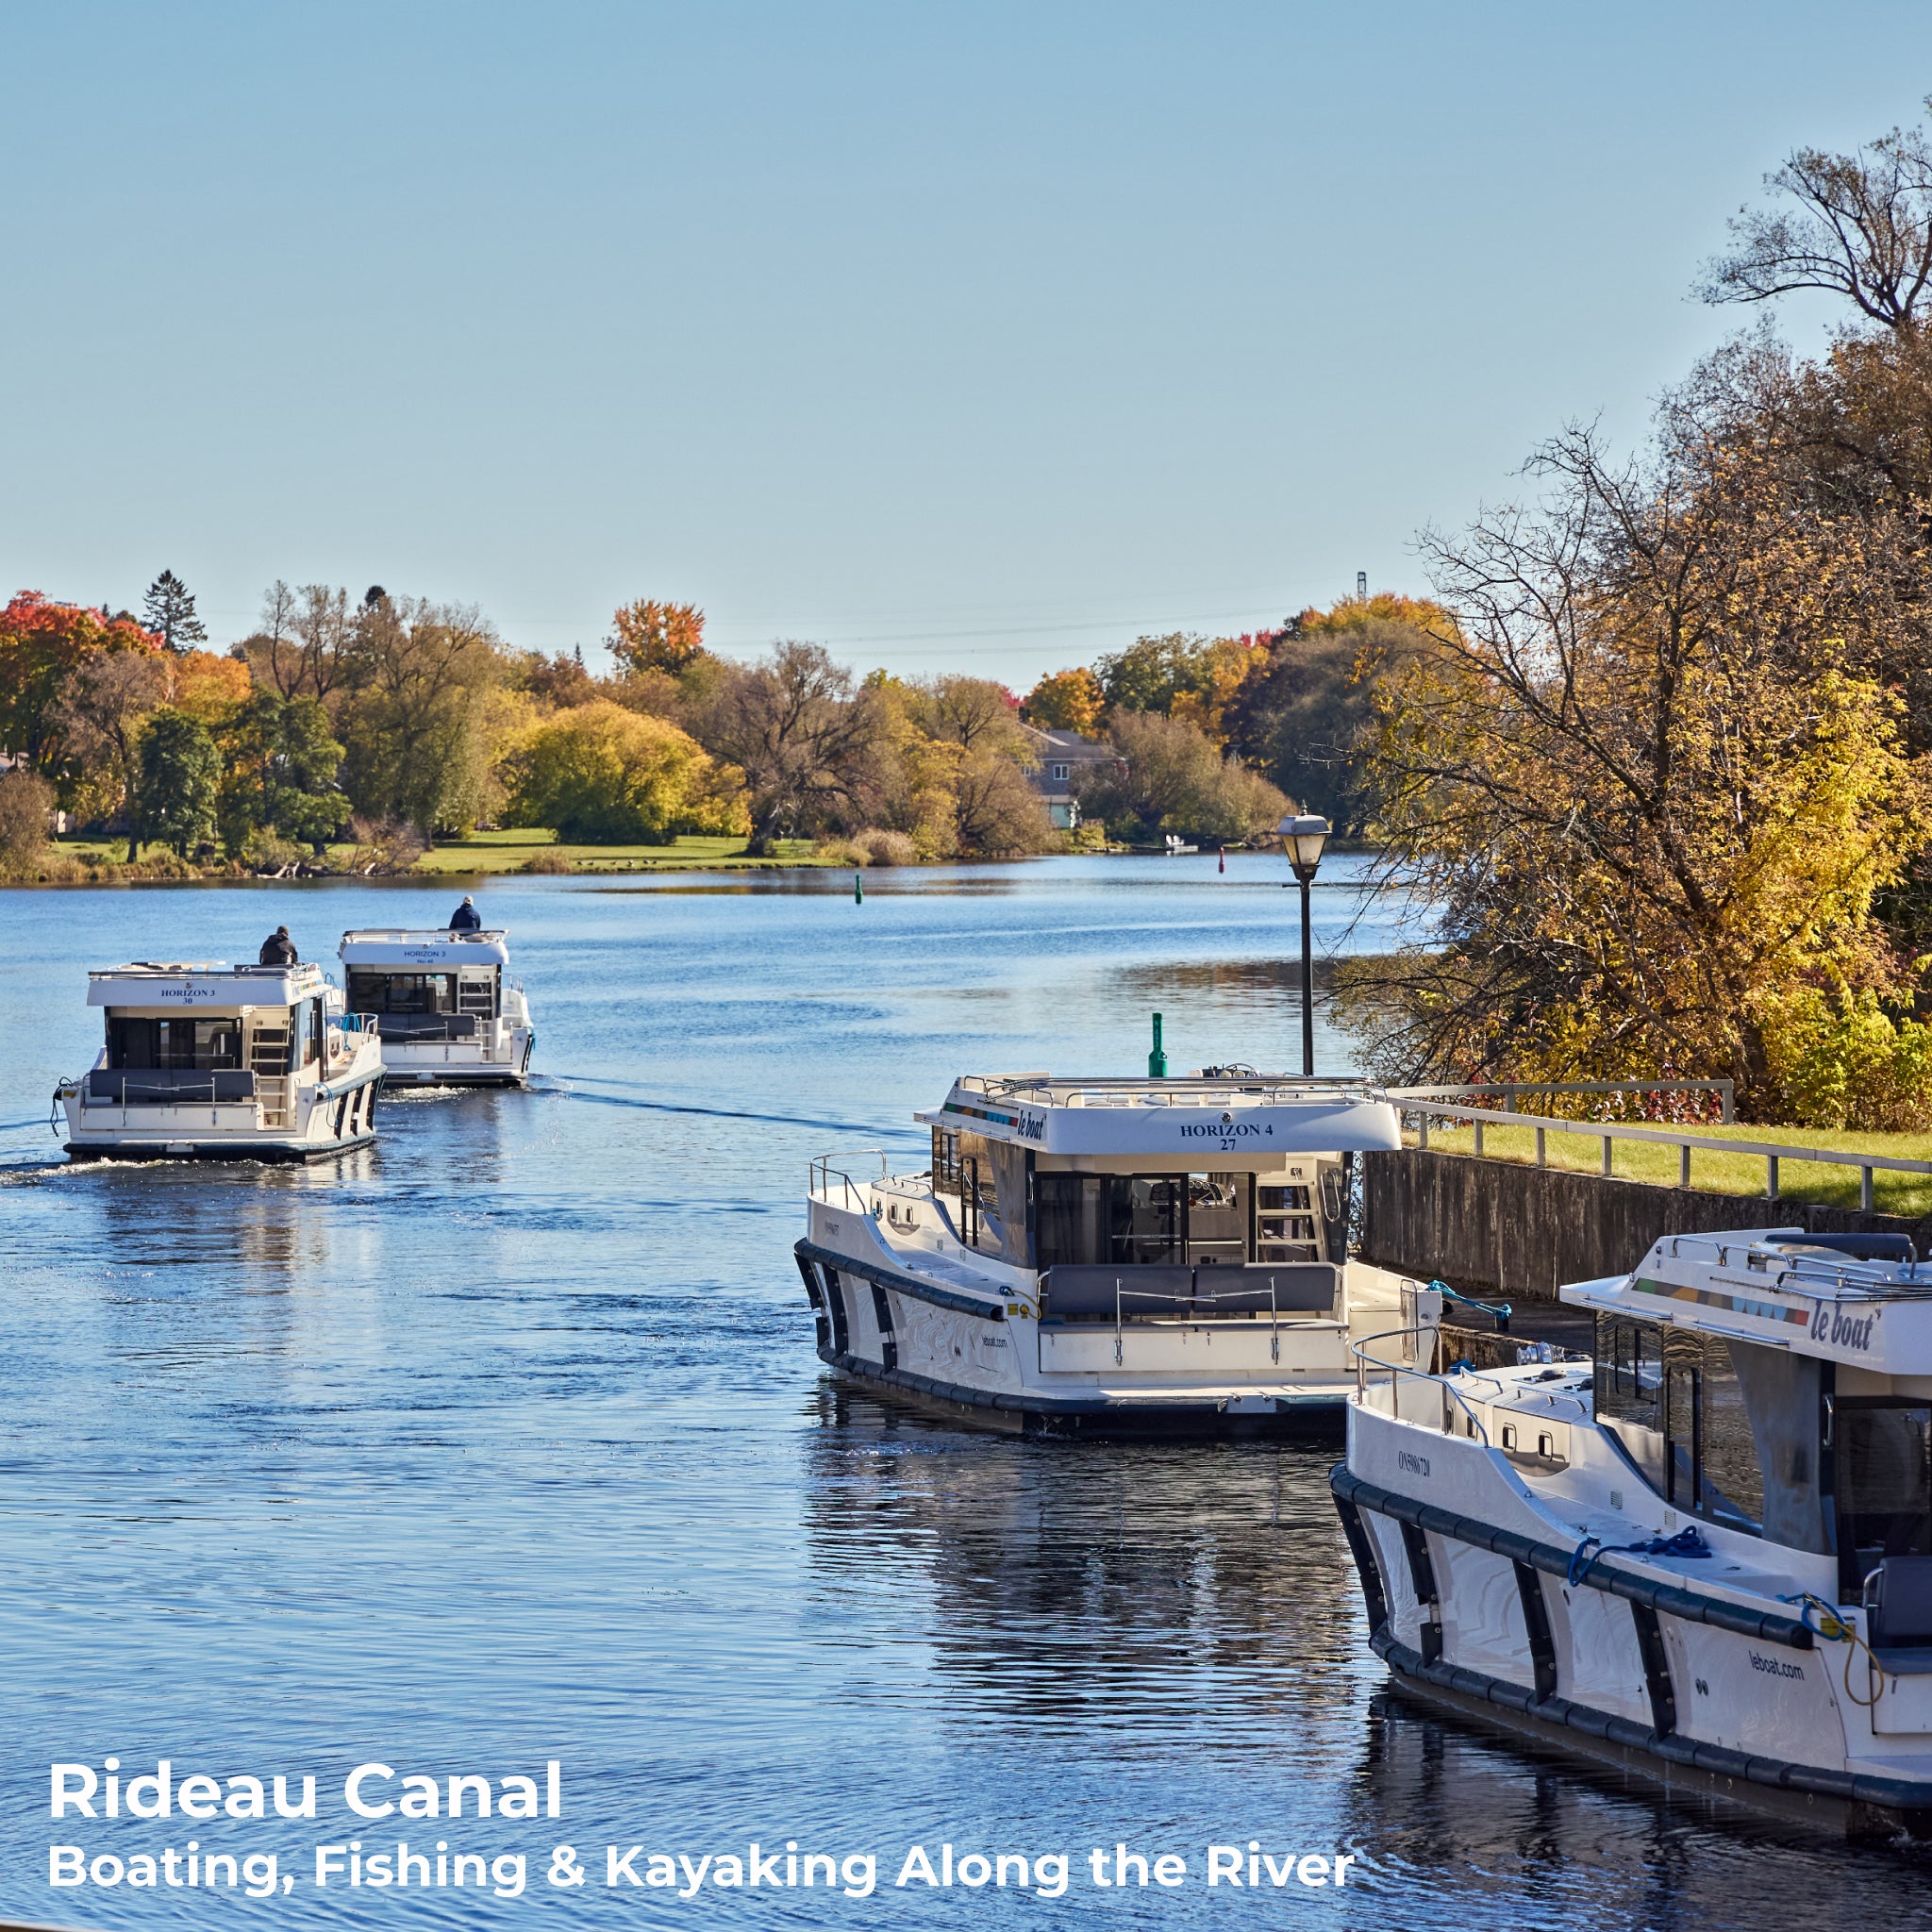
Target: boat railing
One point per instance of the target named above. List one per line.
(1811, 1275)
(1165, 1301)
(1437, 1408)
(851, 1193)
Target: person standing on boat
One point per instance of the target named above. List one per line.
(466, 918)
(278, 949)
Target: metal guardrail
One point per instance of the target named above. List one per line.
(1410, 1101)
(852, 1193)
(1398, 1372)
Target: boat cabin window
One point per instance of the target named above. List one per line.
(1142, 1220)
(401, 992)
(1722, 1428)
(198, 1045)
(1882, 1467)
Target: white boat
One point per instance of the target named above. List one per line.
(1111, 1257)
(1707, 1554)
(446, 1011)
(207, 1061)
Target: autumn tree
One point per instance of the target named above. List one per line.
(652, 636)
(303, 645)
(1065, 701)
(801, 733)
(1304, 714)
(168, 610)
(1859, 225)
(99, 713)
(560, 682)
(42, 644)
(1642, 778)
(602, 774)
(413, 712)
(1173, 779)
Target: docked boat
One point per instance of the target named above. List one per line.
(1705, 1555)
(1111, 1257)
(448, 1013)
(207, 1061)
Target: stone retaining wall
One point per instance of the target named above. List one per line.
(1520, 1230)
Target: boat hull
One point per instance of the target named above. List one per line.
(281, 1151)
(1316, 1416)
(1676, 1660)
(454, 1076)
(459, 1063)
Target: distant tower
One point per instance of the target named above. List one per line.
(1361, 583)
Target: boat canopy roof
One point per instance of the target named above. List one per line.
(402, 951)
(198, 985)
(1184, 1119)
(1858, 1299)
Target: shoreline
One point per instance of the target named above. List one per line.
(84, 862)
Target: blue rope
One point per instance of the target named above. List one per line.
(1502, 1310)
(1686, 1542)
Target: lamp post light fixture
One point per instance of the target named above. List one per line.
(1304, 837)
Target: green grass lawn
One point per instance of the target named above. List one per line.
(502, 852)
(498, 852)
(1720, 1173)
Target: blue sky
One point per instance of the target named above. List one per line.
(981, 337)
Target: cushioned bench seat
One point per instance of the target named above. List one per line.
(1290, 1288)
(424, 1026)
(167, 1086)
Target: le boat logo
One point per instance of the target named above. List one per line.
(1840, 1330)
(1032, 1125)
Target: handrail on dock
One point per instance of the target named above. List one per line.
(1415, 1100)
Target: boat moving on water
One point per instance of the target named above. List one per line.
(209, 1062)
(1707, 1554)
(1112, 1257)
(446, 1014)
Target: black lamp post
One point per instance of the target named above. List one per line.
(1304, 837)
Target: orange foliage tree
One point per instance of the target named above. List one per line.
(42, 644)
(650, 636)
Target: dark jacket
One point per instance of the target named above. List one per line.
(465, 918)
(277, 950)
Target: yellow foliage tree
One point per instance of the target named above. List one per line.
(1066, 701)
(1650, 799)
(605, 775)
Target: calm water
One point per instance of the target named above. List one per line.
(505, 1443)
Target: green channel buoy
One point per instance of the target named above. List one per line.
(858, 889)
(1157, 1060)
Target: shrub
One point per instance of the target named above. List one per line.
(1845, 1062)
(26, 820)
(869, 847)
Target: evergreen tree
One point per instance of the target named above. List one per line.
(169, 611)
(180, 783)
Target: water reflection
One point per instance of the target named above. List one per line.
(1133, 1589)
